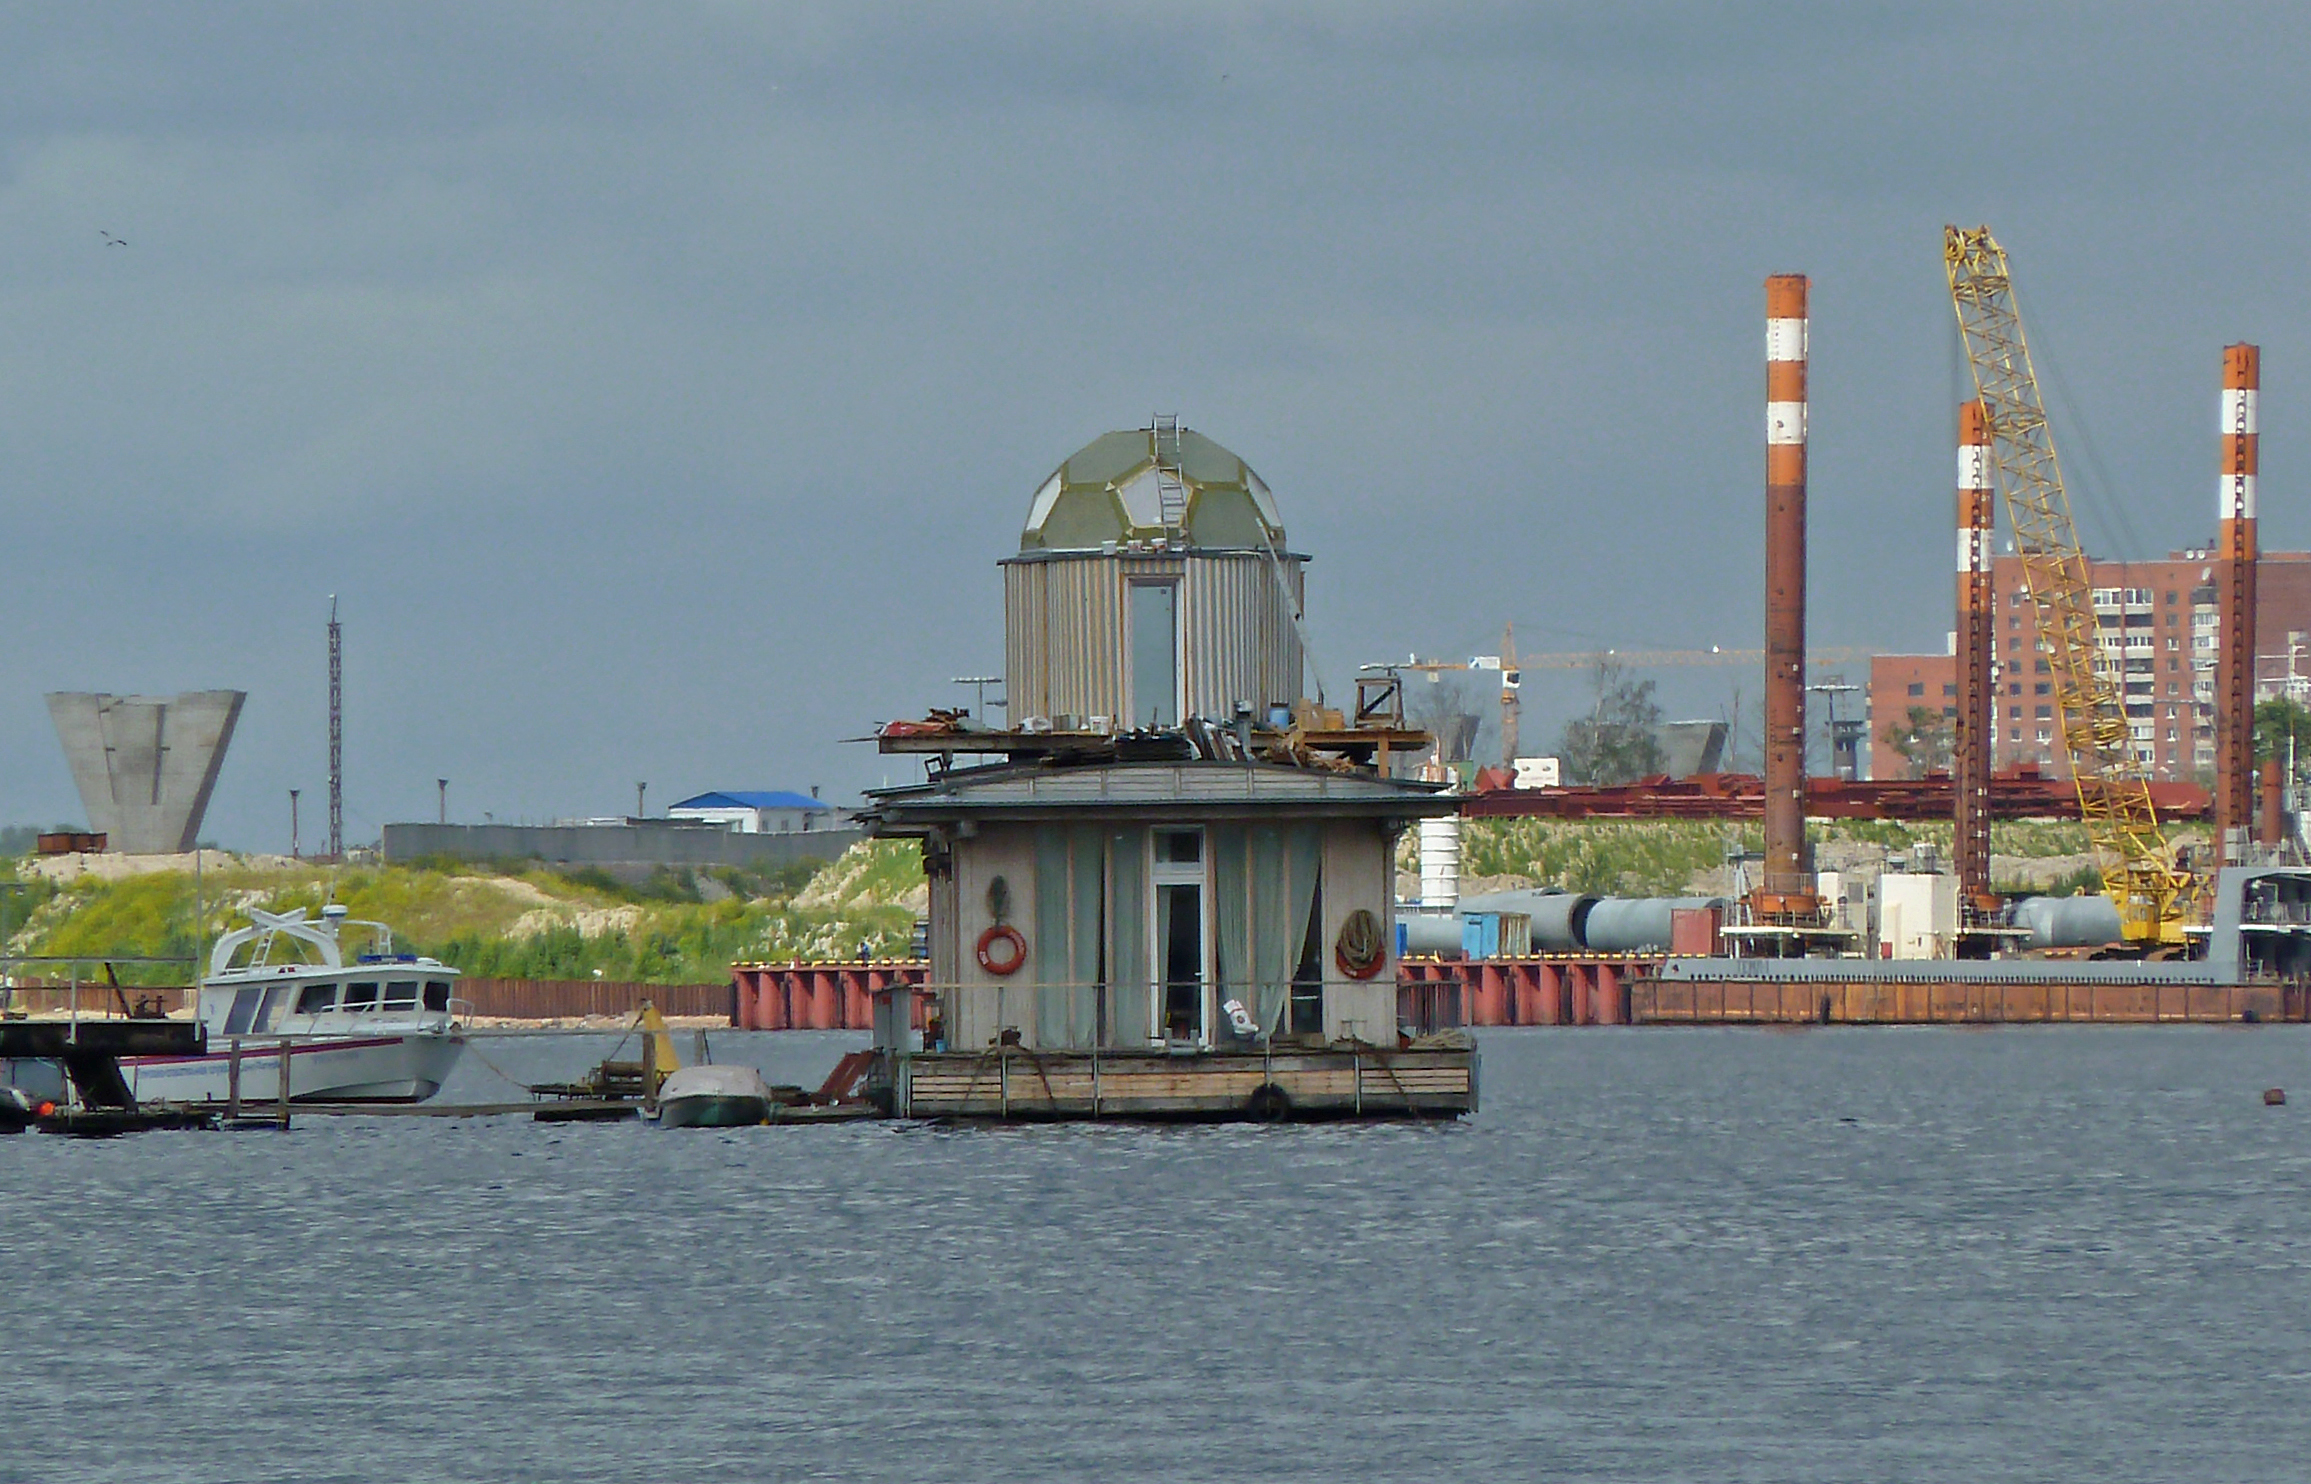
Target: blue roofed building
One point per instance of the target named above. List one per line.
(756, 813)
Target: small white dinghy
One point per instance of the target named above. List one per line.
(713, 1097)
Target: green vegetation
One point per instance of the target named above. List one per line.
(1656, 857)
(1619, 741)
(520, 920)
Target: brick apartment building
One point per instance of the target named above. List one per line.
(2158, 619)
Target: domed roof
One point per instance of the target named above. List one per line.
(1112, 490)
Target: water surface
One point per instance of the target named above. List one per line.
(1935, 1254)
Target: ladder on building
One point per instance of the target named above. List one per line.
(1171, 489)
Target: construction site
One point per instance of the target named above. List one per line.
(2206, 931)
(2204, 902)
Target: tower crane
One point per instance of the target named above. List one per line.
(2138, 870)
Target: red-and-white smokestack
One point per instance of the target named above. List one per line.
(2235, 671)
(1788, 868)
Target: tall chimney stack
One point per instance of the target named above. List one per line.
(1971, 739)
(2235, 671)
(1789, 882)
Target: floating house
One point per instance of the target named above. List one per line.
(1165, 887)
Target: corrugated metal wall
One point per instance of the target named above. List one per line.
(1066, 652)
(1236, 636)
(572, 999)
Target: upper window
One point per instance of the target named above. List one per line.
(316, 998)
(437, 994)
(1917, 687)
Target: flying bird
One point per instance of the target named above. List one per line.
(110, 240)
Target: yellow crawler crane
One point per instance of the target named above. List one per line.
(2138, 870)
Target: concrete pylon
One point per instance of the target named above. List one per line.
(145, 765)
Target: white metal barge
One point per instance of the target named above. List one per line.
(379, 1028)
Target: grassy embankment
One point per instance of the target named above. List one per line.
(518, 921)
(1670, 856)
(522, 921)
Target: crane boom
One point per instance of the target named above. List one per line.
(2113, 788)
(1635, 659)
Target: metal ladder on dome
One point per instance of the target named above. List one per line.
(1171, 489)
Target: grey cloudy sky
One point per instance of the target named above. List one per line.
(658, 385)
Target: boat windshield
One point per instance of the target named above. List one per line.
(316, 998)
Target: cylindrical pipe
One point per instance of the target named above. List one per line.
(1636, 924)
(2273, 824)
(2235, 671)
(2087, 921)
(1430, 933)
(1788, 879)
(1972, 736)
(1556, 916)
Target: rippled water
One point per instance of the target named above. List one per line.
(2074, 1254)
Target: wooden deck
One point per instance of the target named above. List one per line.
(1332, 1083)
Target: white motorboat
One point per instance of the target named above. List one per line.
(713, 1097)
(378, 1027)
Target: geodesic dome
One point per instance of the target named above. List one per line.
(1110, 491)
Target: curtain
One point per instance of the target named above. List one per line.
(1048, 953)
(1127, 964)
(1087, 879)
(1285, 866)
(1273, 947)
(1304, 861)
(1231, 893)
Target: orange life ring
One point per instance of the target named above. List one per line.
(1002, 932)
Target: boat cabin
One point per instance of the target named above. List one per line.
(285, 975)
(1182, 905)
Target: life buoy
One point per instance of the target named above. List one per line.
(1009, 963)
(1358, 950)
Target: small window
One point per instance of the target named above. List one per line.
(437, 994)
(2043, 668)
(316, 998)
(1917, 687)
(269, 1014)
(244, 1010)
(2042, 688)
(2170, 597)
(2014, 713)
(359, 997)
(1950, 711)
(2015, 689)
(1179, 847)
(2045, 713)
(401, 994)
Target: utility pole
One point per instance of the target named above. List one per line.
(336, 734)
(294, 852)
